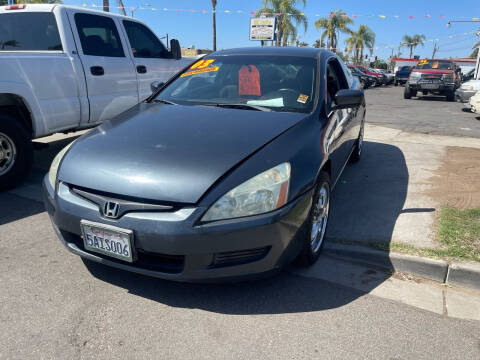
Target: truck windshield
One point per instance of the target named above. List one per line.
(277, 83)
(435, 64)
(29, 32)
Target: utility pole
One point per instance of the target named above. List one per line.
(435, 49)
(106, 5)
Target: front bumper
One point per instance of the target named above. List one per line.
(464, 95)
(171, 246)
(423, 86)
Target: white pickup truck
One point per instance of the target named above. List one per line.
(65, 68)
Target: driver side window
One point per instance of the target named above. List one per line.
(143, 42)
(335, 81)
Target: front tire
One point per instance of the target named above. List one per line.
(16, 152)
(451, 96)
(314, 238)
(357, 151)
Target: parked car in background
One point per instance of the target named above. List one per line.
(402, 74)
(64, 68)
(475, 103)
(388, 74)
(467, 90)
(214, 176)
(366, 80)
(468, 76)
(377, 77)
(433, 76)
(381, 77)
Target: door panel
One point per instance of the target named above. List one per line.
(152, 60)
(110, 74)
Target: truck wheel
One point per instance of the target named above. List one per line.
(451, 96)
(406, 93)
(395, 83)
(16, 152)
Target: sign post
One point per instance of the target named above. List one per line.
(263, 28)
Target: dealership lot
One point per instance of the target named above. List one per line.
(426, 114)
(55, 306)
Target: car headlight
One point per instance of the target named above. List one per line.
(467, 87)
(447, 77)
(415, 76)
(263, 193)
(52, 174)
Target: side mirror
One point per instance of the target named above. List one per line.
(175, 49)
(347, 98)
(154, 86)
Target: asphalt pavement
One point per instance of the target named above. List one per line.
(425, 114)
(55, 306)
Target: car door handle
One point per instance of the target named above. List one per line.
(97, 71)
(141, 69)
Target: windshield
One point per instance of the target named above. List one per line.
(434, 64)
(278, 83)
(406, 68)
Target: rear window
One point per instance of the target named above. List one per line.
(29, 32)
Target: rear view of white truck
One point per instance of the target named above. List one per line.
(64, 69)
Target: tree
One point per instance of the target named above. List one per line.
(302, 44)
(363, 38)
(318, 44)
(413, 41)
(288, 18)
(333, 25)
(214, 21)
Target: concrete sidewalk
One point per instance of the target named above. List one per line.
(401, 182)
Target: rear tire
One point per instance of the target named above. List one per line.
(451, 96)
(16, 152)
(395, 83)
(314, 238)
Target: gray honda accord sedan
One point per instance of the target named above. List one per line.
(225, 172)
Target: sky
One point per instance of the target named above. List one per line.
(390, 20)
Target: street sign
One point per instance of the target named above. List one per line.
(263, 28)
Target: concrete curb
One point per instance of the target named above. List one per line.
(464, 274)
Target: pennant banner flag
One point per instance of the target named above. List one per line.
(252, 12)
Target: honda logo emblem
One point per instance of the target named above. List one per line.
(111, 209)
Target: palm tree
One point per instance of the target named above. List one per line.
(318, 44)
(334, 24)
(288, 18)
(413, 41)
(363, 38)
(214, 14)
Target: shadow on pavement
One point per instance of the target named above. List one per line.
(370, 196)
(278, 294)
(26, 199)
(367, 200)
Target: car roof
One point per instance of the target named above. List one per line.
(49, 8)
(275, 51)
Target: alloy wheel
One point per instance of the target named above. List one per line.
(320, 217)
(7, 154)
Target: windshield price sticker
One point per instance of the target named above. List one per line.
(200, 71)
(302, 98)
(201, 67)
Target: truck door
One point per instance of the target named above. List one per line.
(110, 74)
(153, 62)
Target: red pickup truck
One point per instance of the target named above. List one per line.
(434, 76)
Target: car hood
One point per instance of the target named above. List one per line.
(171, 153)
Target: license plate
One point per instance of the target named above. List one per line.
(107, 240)
(430, 86)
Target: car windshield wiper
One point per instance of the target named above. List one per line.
(241, 106)
(163, 101)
